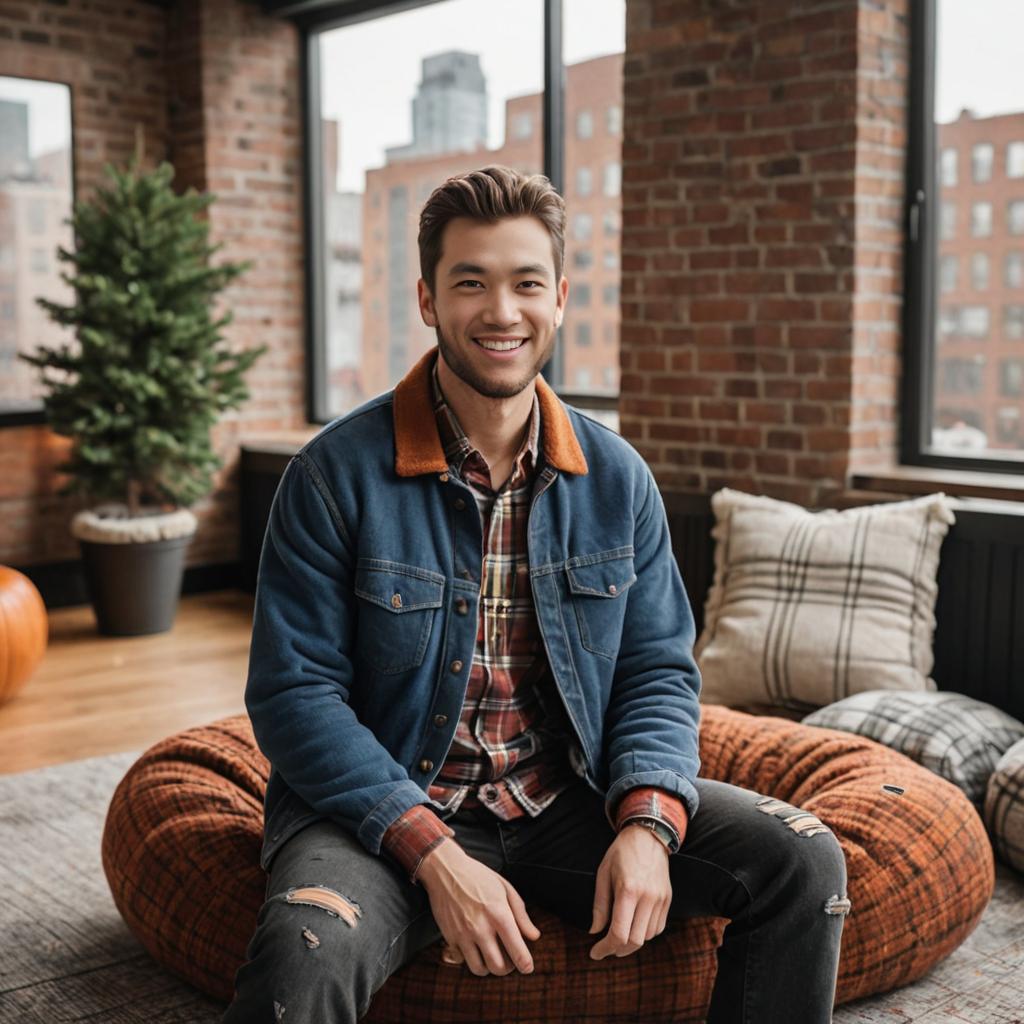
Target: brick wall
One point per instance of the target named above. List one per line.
(762, 182)
(215, 87)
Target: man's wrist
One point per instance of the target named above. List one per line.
(657, 828)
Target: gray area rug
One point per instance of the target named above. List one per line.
(66, 955)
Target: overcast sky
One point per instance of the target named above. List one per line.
(369, 71)
(49, 117)
(980, 62)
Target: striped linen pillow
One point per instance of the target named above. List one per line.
(1004, 807)
(953, 735)
(807, 608)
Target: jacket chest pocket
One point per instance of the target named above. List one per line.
(397, 605)
(597, 588)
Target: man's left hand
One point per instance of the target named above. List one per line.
(632, 887)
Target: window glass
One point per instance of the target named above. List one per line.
(947, 167)
(948, 268)
(1013, 323)
(1015, 217)
(1013, 270)
(584, 181)
(594, 41)
(1015, 160)
(981, 220)
(36, 193)
(979, 271)
(979, 170)
(982, 155)
(449, 98)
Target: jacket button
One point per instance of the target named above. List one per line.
(396, 601)
(456, 666)
(440, 720)
(426, 765)
(490, 794)
(461, 606)
(443, 478)
(612, 589)
(459, 504)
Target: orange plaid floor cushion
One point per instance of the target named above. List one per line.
(183, 832)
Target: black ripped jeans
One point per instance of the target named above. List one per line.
(774, 871)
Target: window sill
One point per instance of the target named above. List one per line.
(957, 483)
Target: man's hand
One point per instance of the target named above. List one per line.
(633, 886)
(480, 914)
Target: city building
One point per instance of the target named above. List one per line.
(979, 380)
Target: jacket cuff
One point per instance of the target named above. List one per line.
(653, 803)
(412, 836)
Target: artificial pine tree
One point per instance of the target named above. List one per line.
(150, 374)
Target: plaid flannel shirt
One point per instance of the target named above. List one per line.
(509, 751)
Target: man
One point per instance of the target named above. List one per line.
(471, 671)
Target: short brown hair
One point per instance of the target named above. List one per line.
(490, 194)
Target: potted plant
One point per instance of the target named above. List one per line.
(140, 391)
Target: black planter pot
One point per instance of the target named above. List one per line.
(134, 587)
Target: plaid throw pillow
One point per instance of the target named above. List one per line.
(809, 607)
(1004, 807)
(957, 737)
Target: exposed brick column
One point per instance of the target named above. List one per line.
(749, 246)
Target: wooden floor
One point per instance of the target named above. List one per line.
(96, 695)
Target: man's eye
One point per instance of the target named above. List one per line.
(533, 284)
(461, 283)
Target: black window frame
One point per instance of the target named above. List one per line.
(312, 17)
(920, 265)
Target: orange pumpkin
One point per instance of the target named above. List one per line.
(23, 630)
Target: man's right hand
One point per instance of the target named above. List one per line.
(480, 914)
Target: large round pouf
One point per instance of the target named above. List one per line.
(183, 833)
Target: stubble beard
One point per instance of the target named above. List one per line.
(478, 382)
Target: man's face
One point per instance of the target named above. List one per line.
(496, 304)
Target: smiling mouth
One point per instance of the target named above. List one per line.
(500, 344)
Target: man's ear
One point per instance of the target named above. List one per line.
(563, 295)
(426, 303)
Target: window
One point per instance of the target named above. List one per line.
(948, 221)
(456, 90)
(981, 220)
(1013, 270)
(948, 267)
(979, 271)
(611, 223)
(523, 126)
(962, 376)
(611, 259)
(582, 227)
(1015, 160)
(982, 156)
(613, 119)
(1008, 426)
(579, 295)
(974, 321)
(1015, 217)
(612, 179)
(1013, 323)
(947, 167)
(610, 295)
(1011, 378)
(36, 197)
(583, 334)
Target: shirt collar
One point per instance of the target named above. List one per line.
(457, 446)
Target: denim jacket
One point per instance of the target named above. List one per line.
(361, 649)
